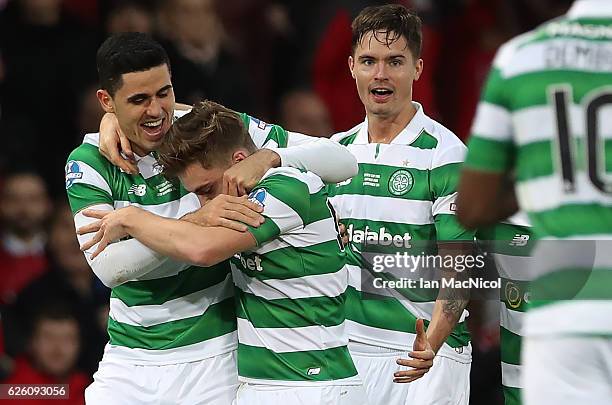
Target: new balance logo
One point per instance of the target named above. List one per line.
(314, 371)
(138, 189)
(519, 240)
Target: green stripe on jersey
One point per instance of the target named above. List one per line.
(425, 141)
(510, 347)
(389, 314)
(316, 365)
(160, 290)
(218, 320)
(304, 260)
(572, 220)
(288, 313)
(512, 395)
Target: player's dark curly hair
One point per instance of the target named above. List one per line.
(208, 134)
(388, 23)
(126, 53)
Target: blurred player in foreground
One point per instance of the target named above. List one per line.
(545, 124)
(172, 326)
(290, 276)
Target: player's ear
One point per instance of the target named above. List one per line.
(106, 101)
(418, 69)
(238, 156)
(351, 64)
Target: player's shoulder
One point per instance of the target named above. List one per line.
(88, 152)
(291, 178)
(518, 47)
(264, 134)
(347, 137)
(442, 140)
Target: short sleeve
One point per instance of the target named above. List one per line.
(285, 201)
(265, 135)
(87, 179)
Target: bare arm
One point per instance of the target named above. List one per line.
(451, 301)
(180, 240)
(484, 198)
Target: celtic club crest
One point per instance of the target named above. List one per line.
(401, 182)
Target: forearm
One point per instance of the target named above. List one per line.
(177, 239)
(452, 299)
(122, 261)
(185, 241)
(329, 160)
(446, 314)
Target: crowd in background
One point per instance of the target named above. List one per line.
(282, 61)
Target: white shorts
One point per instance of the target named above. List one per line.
(567, 370)
(260, 394)
(446, 383)
(211, 381)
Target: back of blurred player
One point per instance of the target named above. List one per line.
(546, 117)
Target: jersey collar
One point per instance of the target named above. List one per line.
(408, 134)
(590, 8)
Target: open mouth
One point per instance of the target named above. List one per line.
(153, 128)
(381, 94)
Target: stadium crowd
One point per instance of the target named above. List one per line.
(283, 61)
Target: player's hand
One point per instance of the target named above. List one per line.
(239, 179)
(422, 356)
(343, 233)
(109, 228)
(114, 143)
(229, 212)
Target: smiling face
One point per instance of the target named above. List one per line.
(144, 105)
(384, 73)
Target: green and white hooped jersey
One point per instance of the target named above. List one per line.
(546, 114)
(177, 312)
(403, 194)
(291, 288)
(510, 244)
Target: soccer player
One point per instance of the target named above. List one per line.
(172, 326)
(543, 128)
(289, 272)
(403, 195)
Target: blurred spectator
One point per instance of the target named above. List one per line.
(24, 209)
(130, 16)
(303, 111)
(203, 63)
(53, 348)
(70, 281)
(90, 113)
(47, 57)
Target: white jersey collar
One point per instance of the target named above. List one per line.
(590, 8)
(408, 134)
